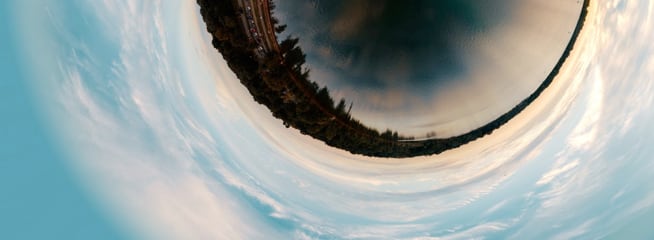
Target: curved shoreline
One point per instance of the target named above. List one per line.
(278, 81)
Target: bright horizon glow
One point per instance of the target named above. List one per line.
(502, 64)
(172, 146)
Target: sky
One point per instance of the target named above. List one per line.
(460, 63)
(120, 121)
(41, 197)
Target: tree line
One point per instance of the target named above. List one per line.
(280, 81)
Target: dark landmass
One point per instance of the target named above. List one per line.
(276, 78)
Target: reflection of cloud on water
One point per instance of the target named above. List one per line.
(175, 147)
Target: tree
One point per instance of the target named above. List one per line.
(340, 107)
(295, 59)
(288, 44)
(280, 29)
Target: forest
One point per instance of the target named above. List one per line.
(279, 80)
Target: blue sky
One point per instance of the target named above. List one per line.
(121, 121)
(41, 198)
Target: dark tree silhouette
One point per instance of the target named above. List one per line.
(279, 80)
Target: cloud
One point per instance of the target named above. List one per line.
(175, 147)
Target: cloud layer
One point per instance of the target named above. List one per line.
(175, 148)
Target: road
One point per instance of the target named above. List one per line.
(256, 20)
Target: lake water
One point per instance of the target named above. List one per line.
(430, 66)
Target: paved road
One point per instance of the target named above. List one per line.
(270, 30)
(258, 11)
(256, 21)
